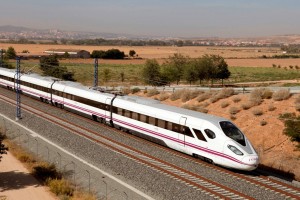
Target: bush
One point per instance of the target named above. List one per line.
(271, 107)
(236, 99)
(297, 107)
(45, 171)
(189, 107)
(232, 117)
(267, 94)
(256, 97)
(60, 187)
(281, 95)
(152, 92)
(126, 90)
(187, 95)
(163, 96)
(247, 105)
(234, 110)
(202, 109)
(204, 96)
(257, 111)
(224, 104)
(26, 158)
(135, 90)
(176, 95)
(263, 123)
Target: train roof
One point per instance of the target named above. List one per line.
(173, 109)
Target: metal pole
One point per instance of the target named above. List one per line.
(18, 90)
(96, 73)
(1, 56)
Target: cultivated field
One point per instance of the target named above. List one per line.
(235, 56)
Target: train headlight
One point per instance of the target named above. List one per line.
(235, 150)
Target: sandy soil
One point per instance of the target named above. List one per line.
(16, 183)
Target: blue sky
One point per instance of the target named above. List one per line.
(185, 18)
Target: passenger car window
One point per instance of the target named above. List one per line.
(210, 133)
(187, 131)
(199, 135)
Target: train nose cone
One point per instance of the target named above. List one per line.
(252, 161)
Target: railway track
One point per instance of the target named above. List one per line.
(193, 180)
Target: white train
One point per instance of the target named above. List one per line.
(208, 137)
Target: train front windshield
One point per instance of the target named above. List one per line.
(233, 132)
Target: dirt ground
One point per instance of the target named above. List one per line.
(16, 182)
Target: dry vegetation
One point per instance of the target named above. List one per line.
(48, 174)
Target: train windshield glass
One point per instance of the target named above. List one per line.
(233, 132)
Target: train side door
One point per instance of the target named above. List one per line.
(181, 136)
(107, 109)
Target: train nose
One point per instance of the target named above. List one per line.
(252, 161)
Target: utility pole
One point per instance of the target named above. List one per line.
(1, 57)
(18, 90)
(96, 73)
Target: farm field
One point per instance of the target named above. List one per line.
(234, 56)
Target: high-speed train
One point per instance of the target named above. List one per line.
(211, 138)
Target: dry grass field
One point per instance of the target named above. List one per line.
(235, 56)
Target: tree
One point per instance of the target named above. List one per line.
(132, 53)
(216, 67)
(179, 62)
(3, 148)
(50, 67)
(47, 63)
(201, 68)
(10, 53)
(151, 72)
(190, 74)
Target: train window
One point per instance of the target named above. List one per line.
(127, 113)
(199, 135)
(136, 116)
(176, 128)
(114, 109)
(152, 121)
(144, 118)
(187, 131)
(210, 133)
(161, 123)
